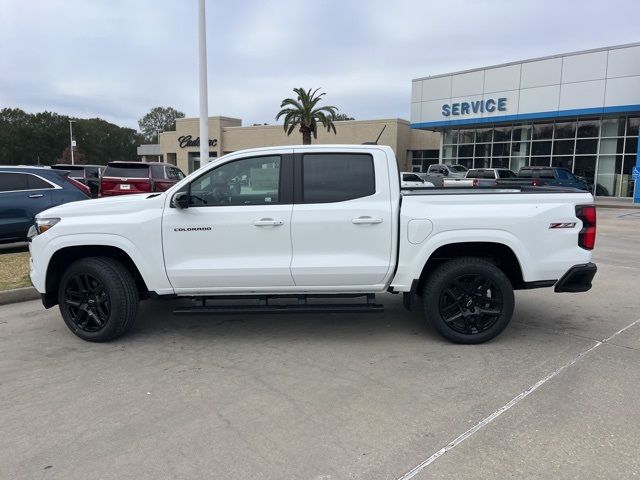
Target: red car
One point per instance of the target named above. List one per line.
(123, 178)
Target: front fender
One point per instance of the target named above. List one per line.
(149, 264)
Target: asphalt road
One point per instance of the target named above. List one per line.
(334, 396)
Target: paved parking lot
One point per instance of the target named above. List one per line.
(334, 396)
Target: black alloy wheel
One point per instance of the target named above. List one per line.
(471, 304)
(468, 300)
(98, 298)
(88, 302)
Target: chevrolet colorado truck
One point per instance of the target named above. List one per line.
(275, 229)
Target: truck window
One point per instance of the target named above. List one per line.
(472, 174)
(158, 172)
(336, 177)
(408, 177)
(250, 181)
(506, 174)
(546, 173)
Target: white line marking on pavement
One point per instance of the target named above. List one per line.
(421, 466)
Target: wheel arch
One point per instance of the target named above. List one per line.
(497, 253)
(67, 255)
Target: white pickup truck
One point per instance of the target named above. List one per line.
(277, 228)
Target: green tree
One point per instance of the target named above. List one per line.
(304, 113)
(42, 138)
(340, 117)
(159, 119)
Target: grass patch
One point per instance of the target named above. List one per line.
(14, 270)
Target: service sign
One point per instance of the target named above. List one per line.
(477, 106)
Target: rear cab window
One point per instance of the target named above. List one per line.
(337, 177)
(127, 171)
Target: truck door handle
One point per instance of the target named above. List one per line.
(268, 222)
(36, 195)
(364, 220)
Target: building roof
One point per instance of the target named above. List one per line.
(529, 60)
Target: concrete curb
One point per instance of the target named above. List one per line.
(18, 295)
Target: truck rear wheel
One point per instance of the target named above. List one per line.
(468, 300)
(98, 299)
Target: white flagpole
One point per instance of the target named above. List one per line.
(204, 100)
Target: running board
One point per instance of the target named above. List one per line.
(263, 306)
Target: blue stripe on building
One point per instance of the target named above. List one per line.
(579, 112)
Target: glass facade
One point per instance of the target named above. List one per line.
(421, 159)
(601, 149)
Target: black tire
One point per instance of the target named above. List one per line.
(98, 299)
(468, 300)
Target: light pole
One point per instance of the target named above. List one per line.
(158, 137)
(204, 114)
(71, 122)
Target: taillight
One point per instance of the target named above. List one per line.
(80, 186)
(106, 185)
(474, 183)
(535, 182)
(587, 236)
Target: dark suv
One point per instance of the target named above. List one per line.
(87, 174)
(554, 177)
(25, 191)
(122, 178)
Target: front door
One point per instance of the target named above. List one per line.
(236, 233)
(342, 229)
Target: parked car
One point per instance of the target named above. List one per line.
(480, 177)
(25, 191)
(491, 173)
(553, 177)
(436, 173)
(413, 180)
(312, 221)
(122, 178)
(87, 174)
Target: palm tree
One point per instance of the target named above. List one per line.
(304, 113)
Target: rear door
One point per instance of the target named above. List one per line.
(22, 195)
(342, 224)
(236, 233)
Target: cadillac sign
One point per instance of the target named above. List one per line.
(186, 141)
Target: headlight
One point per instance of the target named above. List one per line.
(44, 224)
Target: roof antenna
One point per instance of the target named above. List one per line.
(376, 142)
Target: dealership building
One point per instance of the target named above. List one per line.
(577, 110)
(182, 146)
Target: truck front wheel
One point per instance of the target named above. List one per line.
(468, 300)
(98, 298)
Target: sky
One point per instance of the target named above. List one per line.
(117, 59)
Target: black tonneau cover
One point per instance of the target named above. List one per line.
(497, 189)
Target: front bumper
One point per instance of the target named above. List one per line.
(577, 279)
